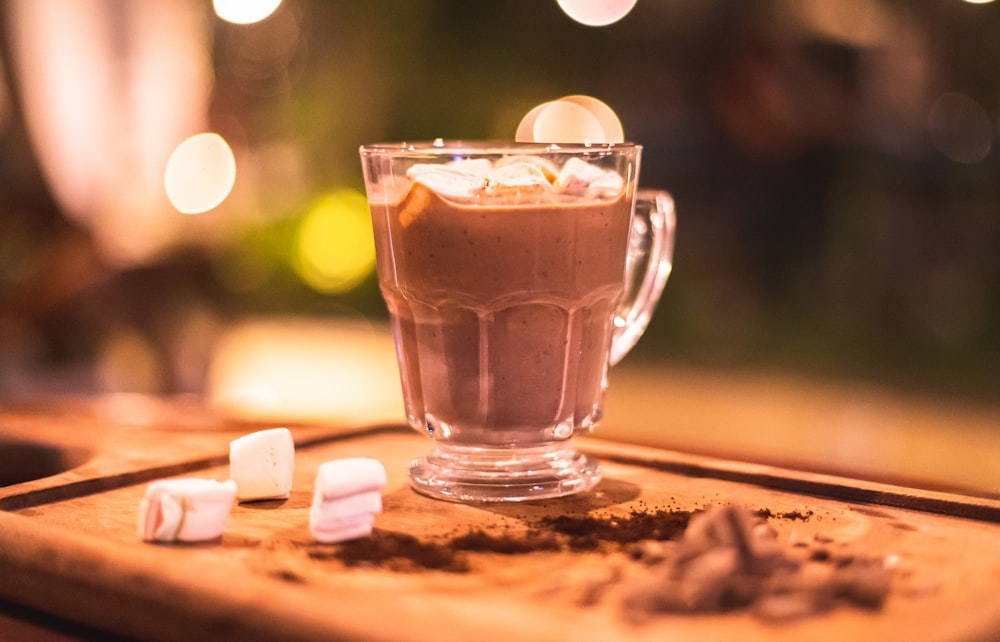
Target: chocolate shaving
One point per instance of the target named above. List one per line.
(730, 558)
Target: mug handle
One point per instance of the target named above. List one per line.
(647, 266)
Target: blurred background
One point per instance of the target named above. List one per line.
(169, 171)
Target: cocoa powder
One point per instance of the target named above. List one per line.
(398, 552)
(704, 561)
(405, 553)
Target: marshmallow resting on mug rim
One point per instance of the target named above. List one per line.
(262, 463)
(188, 509)
(347, 495)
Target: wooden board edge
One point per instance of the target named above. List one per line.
(797, 481)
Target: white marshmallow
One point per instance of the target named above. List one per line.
(343, 477)
(517, 177)
(448, 180)
(262, 463)
(581, 178)
(366, 503)
(608, 186)
(342, 530)
(346, 497)
(470, 178)
(478, 166)
(185, 510)
(546, 166)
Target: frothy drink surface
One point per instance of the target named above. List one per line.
(502, 309)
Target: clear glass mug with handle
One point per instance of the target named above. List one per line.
(515, 275)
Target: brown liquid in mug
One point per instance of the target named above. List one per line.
(502, 313)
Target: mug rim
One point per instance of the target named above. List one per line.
(442, 147)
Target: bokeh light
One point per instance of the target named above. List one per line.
(596, 13)
(266, 58)
(611, 126)
(960, 128)
(243, 12)
(566, 122)
(200, 174)
(5, 105)
(107, 90)
(128, 362)
(571, 119)
(334, 250)
(855, 23)
(301, 370)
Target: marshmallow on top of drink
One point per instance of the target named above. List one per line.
(528, 179)
(518, 177)
(513, 180)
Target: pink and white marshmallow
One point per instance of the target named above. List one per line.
(185, 510)
(346, 498)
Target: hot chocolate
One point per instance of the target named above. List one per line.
(502, 285)
(515, 275)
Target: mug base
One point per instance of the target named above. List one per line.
(494, 474)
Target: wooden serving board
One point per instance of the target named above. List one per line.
(69, 547)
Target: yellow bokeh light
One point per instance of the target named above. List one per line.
(596, 13)
(334, 246)
(244, 12)
(200, 174)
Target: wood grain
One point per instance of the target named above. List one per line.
(77, 555)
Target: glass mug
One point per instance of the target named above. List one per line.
(515, 275)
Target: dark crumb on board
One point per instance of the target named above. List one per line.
(793, 515)
(589, 532)
(711, 560)
(632, 533)
(288, 576)
(401, 552)
(480, 541)
(397, 552)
